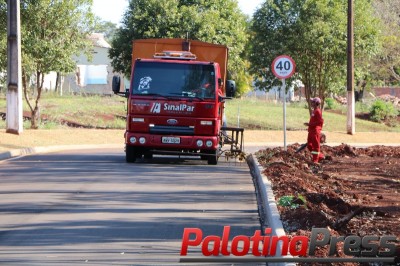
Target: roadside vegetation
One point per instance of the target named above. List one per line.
(304, 27)
(103, 112)
(264, 115)
(108, 112)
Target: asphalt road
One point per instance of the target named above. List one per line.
(89, 207)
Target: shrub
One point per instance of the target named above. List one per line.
(330, 104)
(381, 111)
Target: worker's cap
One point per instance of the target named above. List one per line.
(316, 100)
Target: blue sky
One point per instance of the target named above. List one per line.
(113, 10)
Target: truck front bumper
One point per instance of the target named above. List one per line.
(171, 142)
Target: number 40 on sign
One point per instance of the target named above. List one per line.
(283, 67)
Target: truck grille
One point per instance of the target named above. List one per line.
(173, 130)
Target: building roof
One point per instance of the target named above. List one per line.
(99, 41)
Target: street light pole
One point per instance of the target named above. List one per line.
(350, 69)
(14, 123)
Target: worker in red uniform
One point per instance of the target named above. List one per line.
(314, 130)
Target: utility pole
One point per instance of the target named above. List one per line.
(14, 123)
(351, 125)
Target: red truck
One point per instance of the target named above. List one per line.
(176, 100)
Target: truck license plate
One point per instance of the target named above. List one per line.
(171, 140)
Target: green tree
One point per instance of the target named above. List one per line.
(367, 23)
(243, 81)
(314, 34)
(386, 66)
(52, 32)
(216, 21)
(108, 28)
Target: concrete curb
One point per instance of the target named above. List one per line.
(36, 150)
(268, 208)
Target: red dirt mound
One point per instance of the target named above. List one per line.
(353, 192)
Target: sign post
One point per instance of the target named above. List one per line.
(283, 67)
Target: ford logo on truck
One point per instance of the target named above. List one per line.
(172, 121)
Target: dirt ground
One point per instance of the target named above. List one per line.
(353, 192)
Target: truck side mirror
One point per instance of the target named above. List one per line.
(230, 88)
(116, 84)
(220, 82)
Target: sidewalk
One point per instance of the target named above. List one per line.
(34, 141)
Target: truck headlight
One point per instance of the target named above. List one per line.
(142, 140)
(133, 140)
(199, 143)
(209, 143)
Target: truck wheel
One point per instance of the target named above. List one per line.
(131, 154)
(148, 155)
(213, 158)
(203, 157)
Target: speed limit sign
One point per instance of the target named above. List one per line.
(283, 67)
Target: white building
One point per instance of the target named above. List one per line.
(95, 76)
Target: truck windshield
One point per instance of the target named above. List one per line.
(174, 79)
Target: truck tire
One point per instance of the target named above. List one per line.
(203, 157)
(148, 155)
(213, 158)
(131, 154)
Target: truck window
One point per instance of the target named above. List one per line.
(174, 79)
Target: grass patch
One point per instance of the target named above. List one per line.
(106, 112)
(259, 114)
(88, 111)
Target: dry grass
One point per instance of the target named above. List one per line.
(43, 138)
